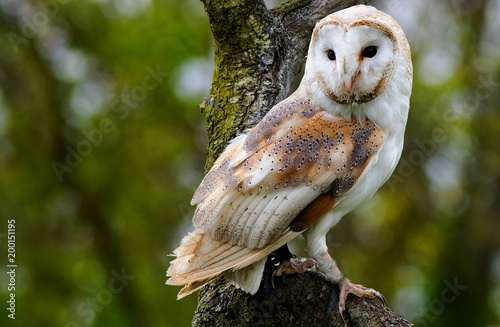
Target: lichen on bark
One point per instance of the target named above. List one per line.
(246, 51)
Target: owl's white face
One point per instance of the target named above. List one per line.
(352, 64)
(359, 65)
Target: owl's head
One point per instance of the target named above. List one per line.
(354, 54)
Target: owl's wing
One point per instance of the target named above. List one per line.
(270, 185)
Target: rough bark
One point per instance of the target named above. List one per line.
(298, 300)
(257, 54)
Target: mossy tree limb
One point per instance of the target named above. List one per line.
(257, 54)
(298, 300)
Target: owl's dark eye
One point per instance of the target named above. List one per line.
(331, 55)
(369, 51)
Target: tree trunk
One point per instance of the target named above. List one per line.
(257, 54)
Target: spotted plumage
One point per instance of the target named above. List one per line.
(313, 158)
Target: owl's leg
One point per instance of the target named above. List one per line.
(329, 267)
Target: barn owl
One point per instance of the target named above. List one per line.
(313, 158)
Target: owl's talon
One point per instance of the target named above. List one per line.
(272, 278)
(381, 298)
(341, 311)
(293, 266)
(347, 287)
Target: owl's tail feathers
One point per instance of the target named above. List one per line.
(201, 259)
(247, 278)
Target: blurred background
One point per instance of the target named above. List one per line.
(102, 145)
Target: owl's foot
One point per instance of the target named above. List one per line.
(294, 265)
(347, 287)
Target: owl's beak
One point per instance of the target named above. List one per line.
(348, 83)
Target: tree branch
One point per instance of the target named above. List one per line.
(257, 53)
(298, 300)
(244, 82)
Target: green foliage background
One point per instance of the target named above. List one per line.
(70, 69)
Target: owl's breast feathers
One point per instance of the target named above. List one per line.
(270, 185)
